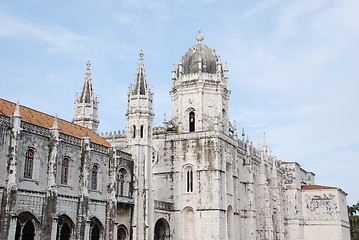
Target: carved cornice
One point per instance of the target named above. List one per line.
(5, 120)
(99, 148)
(70, 139)
(35, 129)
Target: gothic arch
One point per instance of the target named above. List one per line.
(188, 218)
(65, 228)
(122, 233)
(95, 179)
(190, 109)
(96, 229)
(29, 163)
(162, 230)
(27, 226)
(65, 170)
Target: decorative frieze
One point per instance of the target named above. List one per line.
(4, 120)
(35, 129)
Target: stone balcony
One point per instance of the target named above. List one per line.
(124, 199)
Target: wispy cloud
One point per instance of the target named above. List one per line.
(259, 7)
(58, 38)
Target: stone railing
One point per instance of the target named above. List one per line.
(161, 205)
(124, 199)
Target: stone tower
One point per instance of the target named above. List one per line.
(201, 149)
(86, 104)
(139, 138)
(200, 94)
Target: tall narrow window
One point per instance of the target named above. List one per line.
(133, 131)
(192, 121)
(29, 163)
(141, 132)
(122, 183)
(64, 171)
(189, 181)
(94, 176)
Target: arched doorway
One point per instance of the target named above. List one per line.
(25, 227)
(162, 230)
(122, 233)
(64, 228)
(96, 229)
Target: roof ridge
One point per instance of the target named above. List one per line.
(71, 129)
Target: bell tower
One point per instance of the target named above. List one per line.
(139, 138)
(86, 104)
(200, 93)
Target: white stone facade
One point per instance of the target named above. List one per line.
(192, 178)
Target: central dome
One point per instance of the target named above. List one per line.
(199, 57)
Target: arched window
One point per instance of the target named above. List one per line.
(29, 163)
(64, 228)
(94, 176)
(95, 232)
(96, 229)
(230, 224)
(141, 131)
(122, 183)
(122, 233)
(64, 170)
(162, 230)
(133, 131)
(189, 180)
(123, 188)
(25, 228)
(192, 122)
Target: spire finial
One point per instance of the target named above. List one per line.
(199, 37)
(88, 65)
(264, 139)
(141, 55)
(56, 123)
(17, 109)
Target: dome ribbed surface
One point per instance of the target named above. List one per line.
(199, 53)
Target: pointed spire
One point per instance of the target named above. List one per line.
(174, 72)
(88, 65)
(17, 110)
(243, 134)
(140, 86)
(235, 129)
(86, 103)
(87, 94)
(56, 123)
(265, 146)
(264, 139)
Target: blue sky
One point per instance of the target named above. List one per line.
(294, 66)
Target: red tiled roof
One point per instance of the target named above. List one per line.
(44, 120)
(314, 187)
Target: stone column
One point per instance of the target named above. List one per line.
(12, 228)
(115, 231)
(54, 227)
(87, 235)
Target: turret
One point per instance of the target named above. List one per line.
(139, 137)
(86, 104)
(200, 93)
